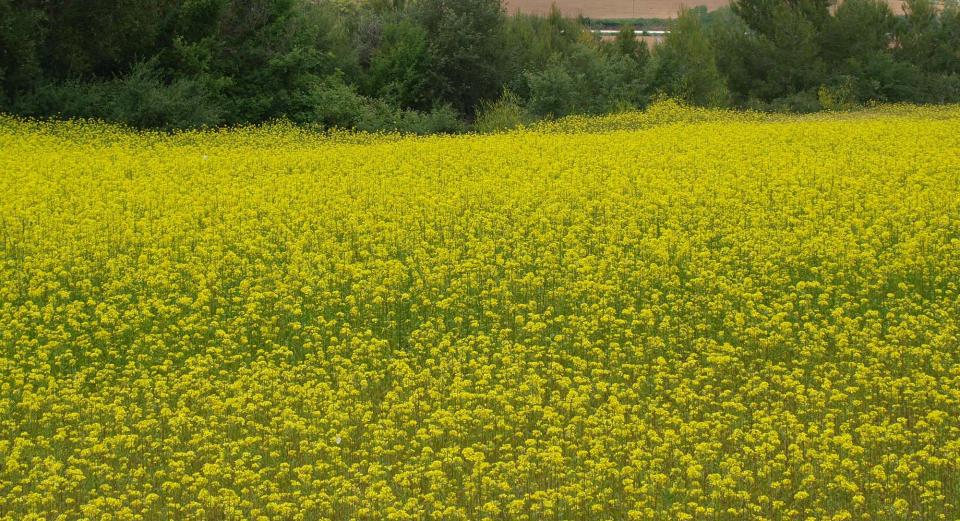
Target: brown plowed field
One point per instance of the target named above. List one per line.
(625, 8)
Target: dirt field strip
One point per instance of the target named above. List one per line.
(625, 8)
(608, 8)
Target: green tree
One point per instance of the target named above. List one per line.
(400, 69)
(685, 67)
(741, 55)
(785, 56)
(531, 42)
(858, 30)
(627, 44)
(929, 37)
(856, 47)
(273, 53)
(466, 49)
(21, 36)
(587, 80)
(100, 38)
(553, 91)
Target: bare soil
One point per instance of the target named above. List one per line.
(601, 9)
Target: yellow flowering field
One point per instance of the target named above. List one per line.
(679, 314)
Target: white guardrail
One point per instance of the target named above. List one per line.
(638, 32)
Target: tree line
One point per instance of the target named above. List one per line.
(448, 65)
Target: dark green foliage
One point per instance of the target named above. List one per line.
(780, 56)
(738, 56)
(176, 63)
(930, 37)
(337, 104)
(274, 53)
(465, 45)
(879, 77)
(553, 91)
(859, 30)
(566, 71)
(20, 37)
(99, 38)
(399, 71)
(627, 44)
(531, 42)
(788, 53)
(684, 66)
(139, 99)
(857, 49)
(587, 80)
(766, 16)
(433, 65)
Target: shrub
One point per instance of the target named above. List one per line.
(504, 114)
(140, 99)
(338, 105)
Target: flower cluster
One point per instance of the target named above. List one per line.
(683, 315)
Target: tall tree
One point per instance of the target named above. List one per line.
(466, 47)
(21, 37)
(399, 70)
(684, 66)
(788, 46)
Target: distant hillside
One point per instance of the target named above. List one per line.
(605, 9)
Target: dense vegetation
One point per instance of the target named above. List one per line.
(754, 318)
(433, 65)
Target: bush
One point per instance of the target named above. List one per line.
(627, 44)
(338, 105)
(438, 120)
(274, 52)
(553, 92)
(531, 43)
(802, 102)
(139, 99)
(587, 80)
(504, 114)
(836, 97)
